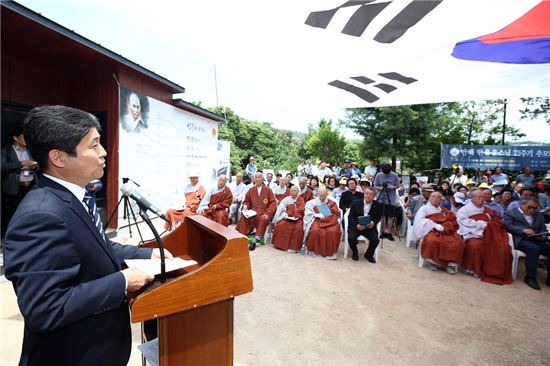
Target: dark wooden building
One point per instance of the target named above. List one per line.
(45, 63)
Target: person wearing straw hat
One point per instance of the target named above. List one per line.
(251, 167)
(194, 193)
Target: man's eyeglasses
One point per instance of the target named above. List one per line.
(531, 207)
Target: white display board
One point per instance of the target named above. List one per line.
(161, 145)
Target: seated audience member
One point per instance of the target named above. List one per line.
(526, 178)
(516, 189)
(281, 191)
(447, 199)
(418, 201)
(349, 195)
(523, 194)
(437, 226)
(289, 225)
(336, 169)
(288, 178)
(216, 202)
(322, 171)
(331, 184)
(523, 223)
(194, 193)
(488, 202)
(269, 181)
(238, 190)
(459, 199)
(337, 193)
(365, 207)
(364, 184)
(505, 199)
(322, 231)
(464, 190)
(487, 253)
(314, 186)
(305, 192)
(260, 199)
(470, 184)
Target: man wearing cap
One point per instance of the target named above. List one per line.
(323, 171)
(259, 205)
(251, 167)
(459, 176)
(487, 254)
(523, 223)
(194, 193)
(346, 171)
(216, 202)
(437, 226)
(416, 202)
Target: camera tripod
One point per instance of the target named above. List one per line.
(384, 193)
(128, 212)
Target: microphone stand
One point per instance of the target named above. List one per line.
(145, 217)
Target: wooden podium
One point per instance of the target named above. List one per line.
(192, 312)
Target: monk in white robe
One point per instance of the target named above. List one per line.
(238, 189)
(216, 202)
(322, 231)
(437, 226)
(487, 253)
(194, 193)
(289, 225)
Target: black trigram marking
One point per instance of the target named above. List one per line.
(369, 95)
(368, 11)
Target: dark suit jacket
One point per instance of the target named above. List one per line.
(515, 223)
(67, 280)
(10, 164)
(347, 198)
(356, 210)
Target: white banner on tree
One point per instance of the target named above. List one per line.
(161, 145)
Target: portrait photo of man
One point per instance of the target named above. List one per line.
(134, 110)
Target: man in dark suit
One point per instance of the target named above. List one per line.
(18, 175)
(523, 222)
(364, 207)
(66, 274)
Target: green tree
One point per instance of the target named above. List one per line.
(535, 108)
(325, 143)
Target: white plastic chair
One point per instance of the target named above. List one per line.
(516, 255)
(409, 232)
(360, 238)
(419, 253)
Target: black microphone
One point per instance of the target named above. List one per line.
(130, 191)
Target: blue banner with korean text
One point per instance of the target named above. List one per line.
(490, 156)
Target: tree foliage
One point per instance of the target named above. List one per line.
(324, 143)
(535, 108)
(413, 133)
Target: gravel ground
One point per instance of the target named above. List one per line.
(307, 311)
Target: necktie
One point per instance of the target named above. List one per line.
(89, 200)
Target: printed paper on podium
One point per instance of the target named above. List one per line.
(152, 266)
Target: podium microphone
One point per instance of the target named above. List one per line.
(130, 191)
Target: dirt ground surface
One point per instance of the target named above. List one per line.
(307, 311)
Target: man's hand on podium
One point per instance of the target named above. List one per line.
(156, 254)
(136, 279)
